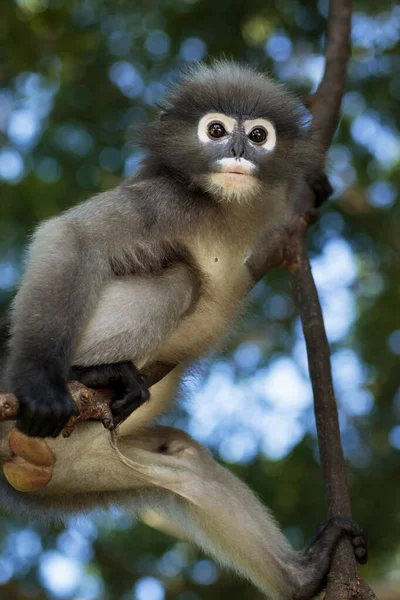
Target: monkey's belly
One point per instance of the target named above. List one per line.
(226, 287)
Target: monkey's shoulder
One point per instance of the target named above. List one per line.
(157, 205)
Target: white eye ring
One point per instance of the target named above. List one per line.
(270, 141)
(228, 124)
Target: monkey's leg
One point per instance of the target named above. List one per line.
(165, 470)
(133, 317)
(224, 517)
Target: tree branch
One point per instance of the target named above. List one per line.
(343, 580)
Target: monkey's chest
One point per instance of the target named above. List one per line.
(225, 285)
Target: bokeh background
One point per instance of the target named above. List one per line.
(74, 76)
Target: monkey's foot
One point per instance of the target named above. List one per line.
(31, 466)
(331, 530)
(316, 556)
(125, 381)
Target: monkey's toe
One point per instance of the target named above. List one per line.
(356, 534)
(360, 548)
(121, 409)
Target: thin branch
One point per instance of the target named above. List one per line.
(326, 102)
(325, 107)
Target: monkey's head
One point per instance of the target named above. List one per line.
(230, 130)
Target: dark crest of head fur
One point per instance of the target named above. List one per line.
(235, 90)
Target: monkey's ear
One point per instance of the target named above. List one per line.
(321, 187)
(163, 115)
(162, 111)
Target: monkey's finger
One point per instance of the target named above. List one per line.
(56, 429)
(61, 422)
(50, 417)
(64, 419)
(40, 421)
(124, 414)
(129, 403)
(43, 429)
(53, 421)
(37, 419)
(120, 416)
(44, 425)
(27, 421)
(132, 400)
(123, 411)
(60, 427)
(53, 427)
(361, 555)
(357, 541)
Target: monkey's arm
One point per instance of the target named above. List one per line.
(70, 261)
(57, 293)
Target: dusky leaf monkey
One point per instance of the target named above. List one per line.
(157, 270)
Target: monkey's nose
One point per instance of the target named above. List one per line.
(237, 152)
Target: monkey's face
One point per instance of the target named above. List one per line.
(231, 131)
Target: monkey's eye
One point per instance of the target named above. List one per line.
(258, 135)
(216, 130)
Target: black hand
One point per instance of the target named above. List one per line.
(123, 378)
(45, 405)
(321, 187)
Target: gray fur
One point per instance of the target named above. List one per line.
(156, 270)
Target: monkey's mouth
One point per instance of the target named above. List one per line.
(239, 177)
(237, 170)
